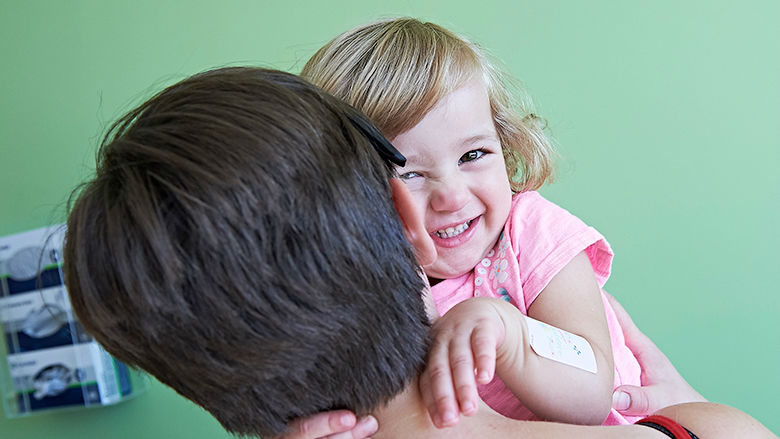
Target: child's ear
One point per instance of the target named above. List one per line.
(412, 219)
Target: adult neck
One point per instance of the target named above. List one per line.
(406, 416)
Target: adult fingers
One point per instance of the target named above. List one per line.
(364, 428)
(633, 400)
(625, 320)
(321, 425)
(635, 339)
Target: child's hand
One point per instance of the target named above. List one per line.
(463, 353)
(340, 424)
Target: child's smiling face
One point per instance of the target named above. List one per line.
(456, 172)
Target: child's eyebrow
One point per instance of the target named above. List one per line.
(412, 159)
(493, 136)
(417, 159)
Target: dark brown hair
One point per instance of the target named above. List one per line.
(239, 243)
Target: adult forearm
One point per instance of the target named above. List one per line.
(715, 421)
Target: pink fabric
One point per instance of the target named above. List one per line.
(538, 240)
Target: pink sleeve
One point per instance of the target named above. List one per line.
(546, 237)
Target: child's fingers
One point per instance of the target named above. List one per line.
(437, 389)
(484, 346)
(462, 365)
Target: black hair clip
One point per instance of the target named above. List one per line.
(383, 146)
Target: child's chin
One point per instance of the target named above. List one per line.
(450, 270)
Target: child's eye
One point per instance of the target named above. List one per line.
(408, 175)
(471, 155)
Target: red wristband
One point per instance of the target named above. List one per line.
(677, 430)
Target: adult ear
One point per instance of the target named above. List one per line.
(412, 220)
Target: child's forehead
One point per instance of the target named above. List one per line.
(468, 103)
(461, 119)
(412, 106)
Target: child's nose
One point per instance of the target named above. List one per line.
(449, 195)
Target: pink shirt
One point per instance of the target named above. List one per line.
(538, 240)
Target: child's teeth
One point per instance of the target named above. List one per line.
(451, 232)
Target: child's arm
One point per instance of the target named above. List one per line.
(572, 301)
(469, 335)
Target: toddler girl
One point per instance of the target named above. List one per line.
(475, 157)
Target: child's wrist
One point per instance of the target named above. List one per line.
(509, 352)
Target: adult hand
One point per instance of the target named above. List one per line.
(662, 385)
(338, 424)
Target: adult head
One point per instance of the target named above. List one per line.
(239, 242)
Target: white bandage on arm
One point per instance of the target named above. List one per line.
(558, 345)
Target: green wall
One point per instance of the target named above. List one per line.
(666, 115)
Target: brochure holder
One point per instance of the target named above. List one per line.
(49, 362)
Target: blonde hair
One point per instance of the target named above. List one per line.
(397, 70)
